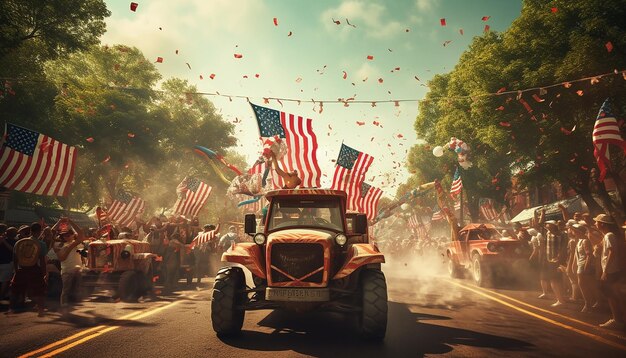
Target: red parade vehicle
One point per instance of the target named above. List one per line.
(304, 257)
(481, 249)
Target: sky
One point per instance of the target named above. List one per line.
(386, 50)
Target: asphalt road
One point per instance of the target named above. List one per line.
(429, 314)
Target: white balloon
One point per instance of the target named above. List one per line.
(438, 151)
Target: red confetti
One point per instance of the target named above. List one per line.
(538, 99)
(584, 168)
(380, 80)
(461, 31)
(487, 28)
(289, 34)
(485, 18)
(580, 92)
(337, 22)
(256, 75)
(201, 77)
(609, 46)
(501, 90)
(345, 75)
(370, 57)
(554, 10)
(505, 124)
(238, 55)
(566, 131)
(90, 139)
(376, 123)
(133, 6)
(212, 76)
(275, 22)
(106, 159)
(501, 108)
(443, 22)
(400, 136)
(360, 123)
(131, 135)
(159, 59)
(446, 43)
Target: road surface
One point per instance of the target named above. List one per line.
(429, 314)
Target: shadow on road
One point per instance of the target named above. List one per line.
(326, 335)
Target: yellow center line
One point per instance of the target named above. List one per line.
(100, 330)
(546, 319)
(552, 313)
(72, 337)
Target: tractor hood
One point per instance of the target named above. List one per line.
(300, 236)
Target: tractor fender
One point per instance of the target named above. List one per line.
(247, 254)
(358, 256)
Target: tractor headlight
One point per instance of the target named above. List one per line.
(259, 239)
(492, 247)
(341, 239)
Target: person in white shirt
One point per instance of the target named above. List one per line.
(71, 236)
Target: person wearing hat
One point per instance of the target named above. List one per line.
(611, 270)
(71, 236)
(29, 263)
(555, 249)
(537, 258)
(584, 266)
(228, 239)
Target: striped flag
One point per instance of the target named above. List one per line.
(368, 200)
(350, 173)
(413, 222)
(457, 184)
(125, 208)
(205, 236)
(487, 209)
(255, 207)
(35, 163)
(301, 143)
(605, 132)
(192, 195)
(437, 214)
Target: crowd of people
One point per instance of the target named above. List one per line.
(30, 255)
(579, 258)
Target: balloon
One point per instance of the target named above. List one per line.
(438, 151)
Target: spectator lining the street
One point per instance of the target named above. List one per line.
(71, 262)
(571, 268)
(585, 268)
(29, 263)
(555, 257)
(8, 238)
(538, 257)
(228, 239)
(611, 270)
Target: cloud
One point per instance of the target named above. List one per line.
(370, 18)
(425, 5)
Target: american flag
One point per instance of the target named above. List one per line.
(437, 214)
(413, 221)
(457, 184)
(35, 163)
(204, 237)
(350, 173)
(125, 208)
(605, 132)
(192, 195)
(487, 209)
(301, 143)
(368, 200)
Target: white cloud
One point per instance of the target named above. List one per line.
(425, 5)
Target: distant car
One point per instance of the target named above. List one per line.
(481, 250)
(307, 255)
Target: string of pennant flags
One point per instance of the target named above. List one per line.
(373, 102)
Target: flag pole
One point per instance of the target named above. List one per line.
(461, 214)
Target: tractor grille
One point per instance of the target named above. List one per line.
(297, 260)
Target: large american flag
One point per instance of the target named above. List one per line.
(487, 209)
(192, 195)
(457, 184)
(35, 163)
(605, 132)
(368, 200)
(437, 214)
(125, 208)
(350, 173)
(297, 131)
